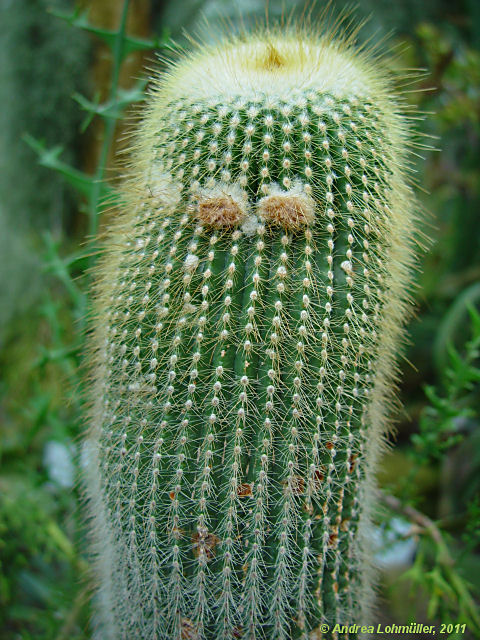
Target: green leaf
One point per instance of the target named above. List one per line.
(56, 265)
(49, 158)
(113, 109)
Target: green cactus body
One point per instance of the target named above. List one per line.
(248, 308)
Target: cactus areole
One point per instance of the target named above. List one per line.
(248, 307)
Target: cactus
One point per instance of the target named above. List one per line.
(248, 307)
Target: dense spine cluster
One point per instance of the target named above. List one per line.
(248, 307)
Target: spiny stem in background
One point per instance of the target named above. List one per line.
(248, 310)
(93, 187)
(110, 123)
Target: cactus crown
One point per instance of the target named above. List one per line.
(248, 308)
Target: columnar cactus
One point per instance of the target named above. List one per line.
(248, 308)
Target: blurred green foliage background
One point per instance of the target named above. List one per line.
(65, 83)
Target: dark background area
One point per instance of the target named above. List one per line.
(47, 67)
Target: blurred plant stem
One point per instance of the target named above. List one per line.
(110, 123)
(94, 186)
(423, 522)
(442, 580)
